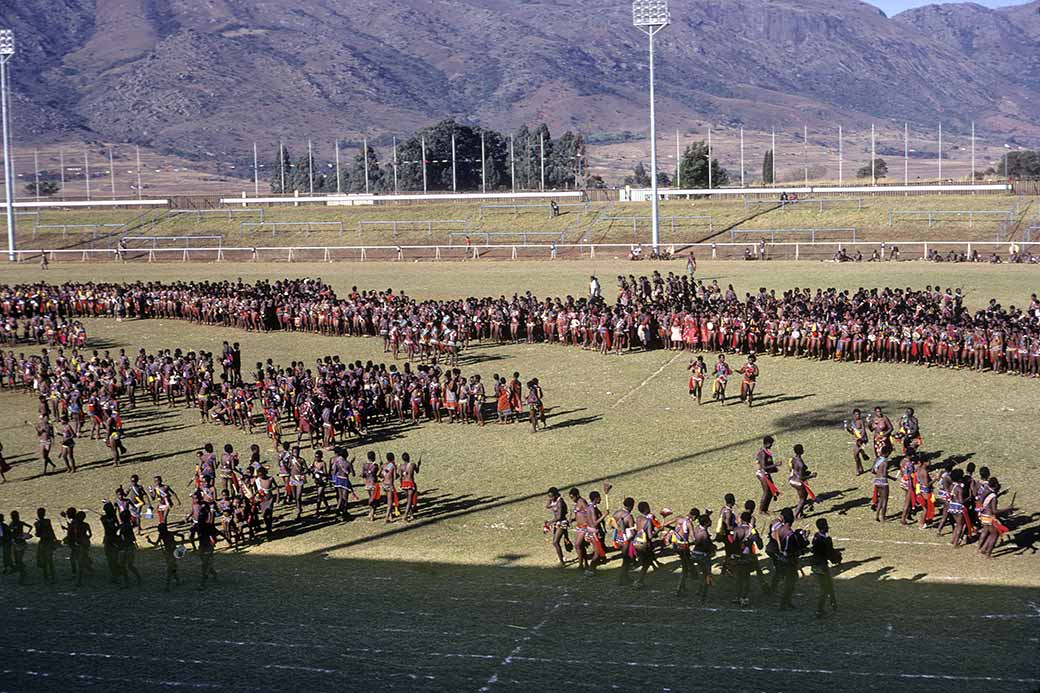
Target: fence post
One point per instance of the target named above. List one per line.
(362, 253)
(437, 253)
(969, 250)
(592, 251)
(296, 194)
(925, 251)
(220, 255)
(327, 258)
(289, 259)
(796, 249)
(84, 256)
(151, 255)
(890, 217)
(184, 258)
(513, 256)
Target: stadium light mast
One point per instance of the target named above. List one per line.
(650, 17)
(6, 51)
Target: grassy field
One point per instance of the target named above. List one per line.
(447, 222)
(466, 598)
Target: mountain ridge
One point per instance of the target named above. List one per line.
(204, 79)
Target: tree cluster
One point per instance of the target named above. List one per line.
(693, 171)
(503, 158)
(1020, 164)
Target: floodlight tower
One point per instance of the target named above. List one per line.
(6, 51)
(650, 17)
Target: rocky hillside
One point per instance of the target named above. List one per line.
(207, 77)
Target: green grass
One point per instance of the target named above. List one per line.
(600, 223)
(872, 222)
(467, 595)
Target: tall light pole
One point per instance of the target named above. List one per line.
(650, 17)
(6, 51)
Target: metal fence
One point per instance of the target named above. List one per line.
(821, 250)
(952, 215)
(307, 226)
(79, 228)
(524, 237)
(413, 224)
(823, 202)
(672, 221)
(229, 212)
(157, 241)
(773, 233)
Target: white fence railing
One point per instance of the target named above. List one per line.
(59, 204)
(820, 250)
(360, 199)
(644, 194)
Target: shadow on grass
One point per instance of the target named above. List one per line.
(779, 398)
(101, 343)
(318, 621)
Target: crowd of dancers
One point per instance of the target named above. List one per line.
(929, 326)
(329, 403)
(968, 500)
(40, 328)
(227, 501)
(333, 401)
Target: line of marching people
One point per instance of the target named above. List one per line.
(228, 501)
(969, 498)
(642, 539)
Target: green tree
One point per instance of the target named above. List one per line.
(564, 167)
(880, 169)
(47, 188)
(439, 157)
(639, 178)
(354, 181)
(306, 172)
(693, 167)
(767, 167)
(1020, 164)
(282, 170)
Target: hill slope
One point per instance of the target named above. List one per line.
(207, 78)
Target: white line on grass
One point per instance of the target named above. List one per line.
(493, 679)
(897, 542)
(653, 375)
(789, 670)
(136, 680)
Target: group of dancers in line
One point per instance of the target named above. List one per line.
(929, 326)
(969, 502)
(721, 372)
(229, 501)
(331, 402)
(46, 329)
(642, 540)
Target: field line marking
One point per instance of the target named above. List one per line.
(1033, 613)
(790, 670)
(899, 542)
(512, 656)
(643, 384)
(90, 677)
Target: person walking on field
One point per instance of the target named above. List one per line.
(823, 554)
